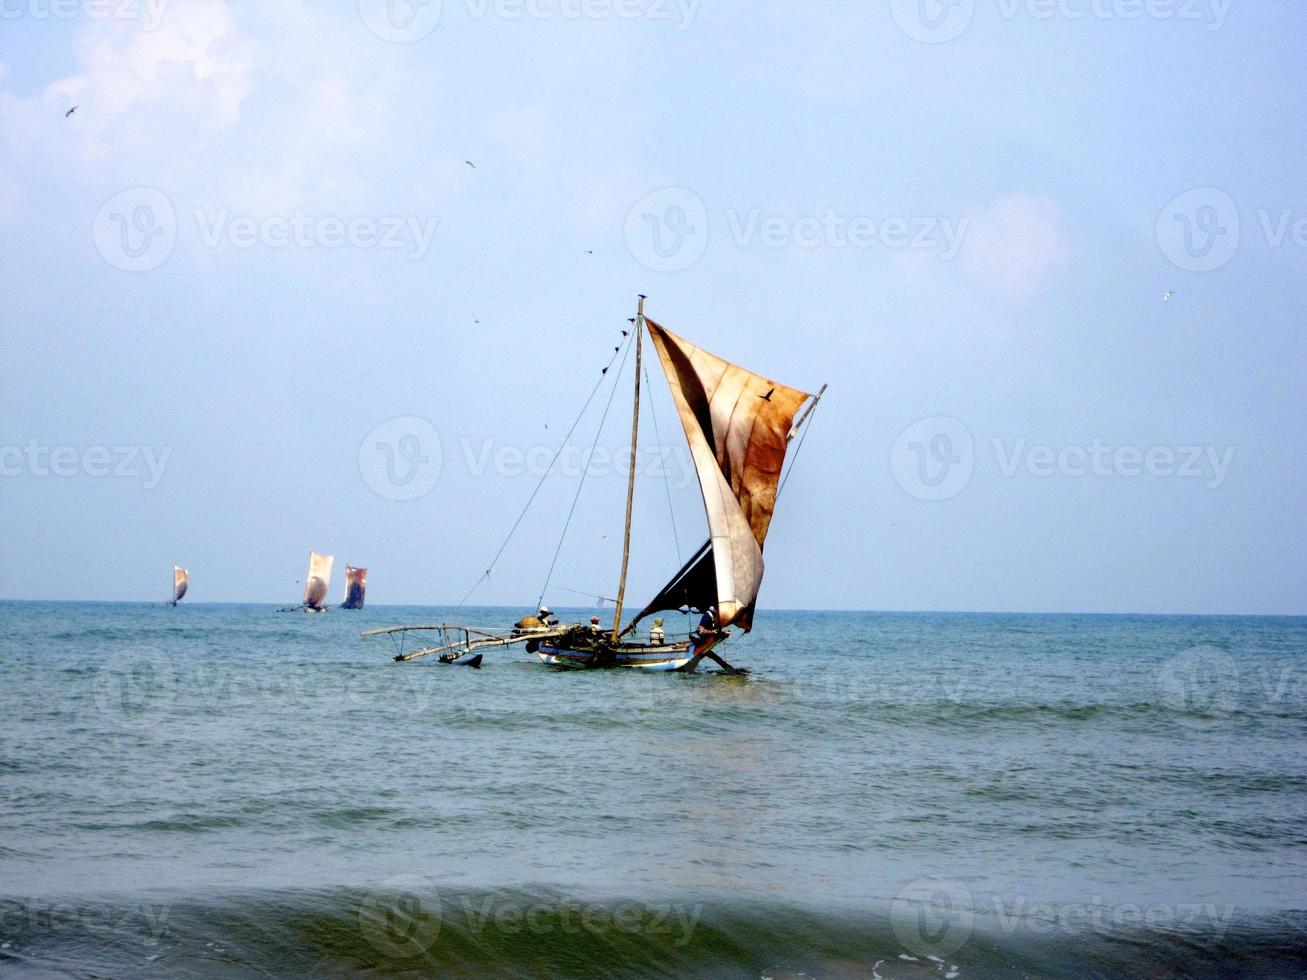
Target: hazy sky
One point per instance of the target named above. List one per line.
(244, 277)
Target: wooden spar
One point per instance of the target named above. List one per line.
(630, 483)
(794, 429)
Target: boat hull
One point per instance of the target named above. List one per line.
(670, 657)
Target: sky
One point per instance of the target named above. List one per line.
(340, 276)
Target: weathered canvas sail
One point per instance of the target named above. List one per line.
(738, 426)
(356, 583)
(315, 587)
(180, 583)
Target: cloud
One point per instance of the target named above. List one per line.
(1013, 247)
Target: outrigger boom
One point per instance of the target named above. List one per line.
(452, 651)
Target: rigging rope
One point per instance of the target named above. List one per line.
(626, 349)
(667, 483)
(544, 476)
(795, 458)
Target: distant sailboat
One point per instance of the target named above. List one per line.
(316, 584)
(356, 583)
(180, 583)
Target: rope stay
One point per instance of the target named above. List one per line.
(667, 481)
(626, 349)
(543, 477)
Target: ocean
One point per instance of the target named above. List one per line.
(225, 790)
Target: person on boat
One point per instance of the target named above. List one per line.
(594, 625)
(531, 624)
(656, 633)
(707, 625)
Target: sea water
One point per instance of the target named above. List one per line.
(225, 790)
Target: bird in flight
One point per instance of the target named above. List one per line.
(1166, 296)
(470, 164)
(70, 112)
(589, 251)
(767, 397)
(474, 318)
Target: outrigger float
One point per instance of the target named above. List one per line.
(739, 426)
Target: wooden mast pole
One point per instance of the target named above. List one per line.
(630, 483)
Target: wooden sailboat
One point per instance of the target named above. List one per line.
(356, 583)
(739, 426)
(181, 581)
(316, 584)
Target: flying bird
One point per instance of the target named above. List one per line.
(589, 251)
(470, 164)
(625, 332)
(1166, 296)
(70, 112)
(767, 397)
(474, 318)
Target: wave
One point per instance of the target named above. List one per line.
(408, 927)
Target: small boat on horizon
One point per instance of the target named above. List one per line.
(181, 581)
(316, 584)
(356, 583)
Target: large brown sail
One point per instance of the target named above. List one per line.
(738, 426)
(356, 583)
(180, 583)
(315, 587)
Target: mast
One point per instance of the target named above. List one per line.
(630, 482)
